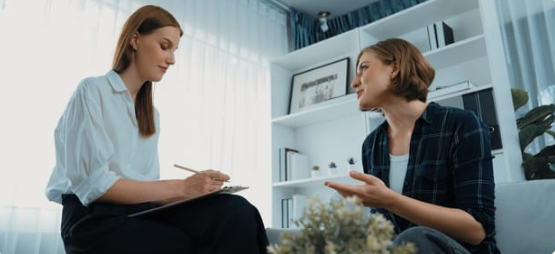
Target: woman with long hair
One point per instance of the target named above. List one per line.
(107, 162)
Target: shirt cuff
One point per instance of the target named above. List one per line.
(483, 218)
(95, 186)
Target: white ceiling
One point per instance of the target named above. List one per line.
(336, 7)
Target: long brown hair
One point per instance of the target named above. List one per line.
(415, 73)
(143, 21)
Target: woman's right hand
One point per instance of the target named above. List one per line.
(203, 182)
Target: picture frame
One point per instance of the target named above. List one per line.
(318, 85)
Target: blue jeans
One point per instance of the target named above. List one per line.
(430, 241)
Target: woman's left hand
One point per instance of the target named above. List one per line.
(373, 192)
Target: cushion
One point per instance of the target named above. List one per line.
(525, 217)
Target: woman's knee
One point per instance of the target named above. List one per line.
(413, 235)
(235, 205)
(429, 240)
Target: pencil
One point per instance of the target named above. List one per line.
(189, 169)
(186, 168)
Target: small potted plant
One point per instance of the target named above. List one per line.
(332, 168)
(315, 172)
(351, 163)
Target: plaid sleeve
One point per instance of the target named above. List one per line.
(473, 170)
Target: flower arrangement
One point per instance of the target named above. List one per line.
(341, 227)
(332, 165)
(315, 167)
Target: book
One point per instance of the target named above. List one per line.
(290, 213)
(287, 170)
(439, 35)
(284, 213)
(299, 204)
(432, 38)
(281, 165)
(224, 190)
(444, 34)
(299, 166)
(448, 89)
(284, 162)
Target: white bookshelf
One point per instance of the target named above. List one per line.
(460, 51)
(335, 130)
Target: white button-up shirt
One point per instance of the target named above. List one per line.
(98, 141)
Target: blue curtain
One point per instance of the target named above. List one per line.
(305, 29)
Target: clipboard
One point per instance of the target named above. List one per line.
(224, 190)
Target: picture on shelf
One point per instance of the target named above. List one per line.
(318, 85)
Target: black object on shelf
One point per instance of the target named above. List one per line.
(440, 35)
(482, 103)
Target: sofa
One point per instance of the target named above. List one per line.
(525, 218)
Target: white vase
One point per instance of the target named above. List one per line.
(333, 171)
(317, 173)
(350, 167)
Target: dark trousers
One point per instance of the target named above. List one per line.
(217, 224)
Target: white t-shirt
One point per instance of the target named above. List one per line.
(98, 141)
(397, 171)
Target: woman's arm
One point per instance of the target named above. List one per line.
(126, 191)
(452, 221)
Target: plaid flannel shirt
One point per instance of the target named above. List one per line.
(450, 164)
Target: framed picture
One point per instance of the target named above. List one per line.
(318, 85)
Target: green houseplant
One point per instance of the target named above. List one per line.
(535, 123)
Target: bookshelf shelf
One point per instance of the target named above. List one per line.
(333, 109)
(425, 13)
(313, 182)
(461, 51)
(309, 57)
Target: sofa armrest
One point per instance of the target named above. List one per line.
(525, 218)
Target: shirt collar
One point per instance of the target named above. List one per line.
(115, 81)
(427, 115)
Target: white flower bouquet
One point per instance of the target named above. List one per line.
(342, 227)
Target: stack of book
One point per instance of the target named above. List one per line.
(293, 165)
(292, 210)
(440, 35)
